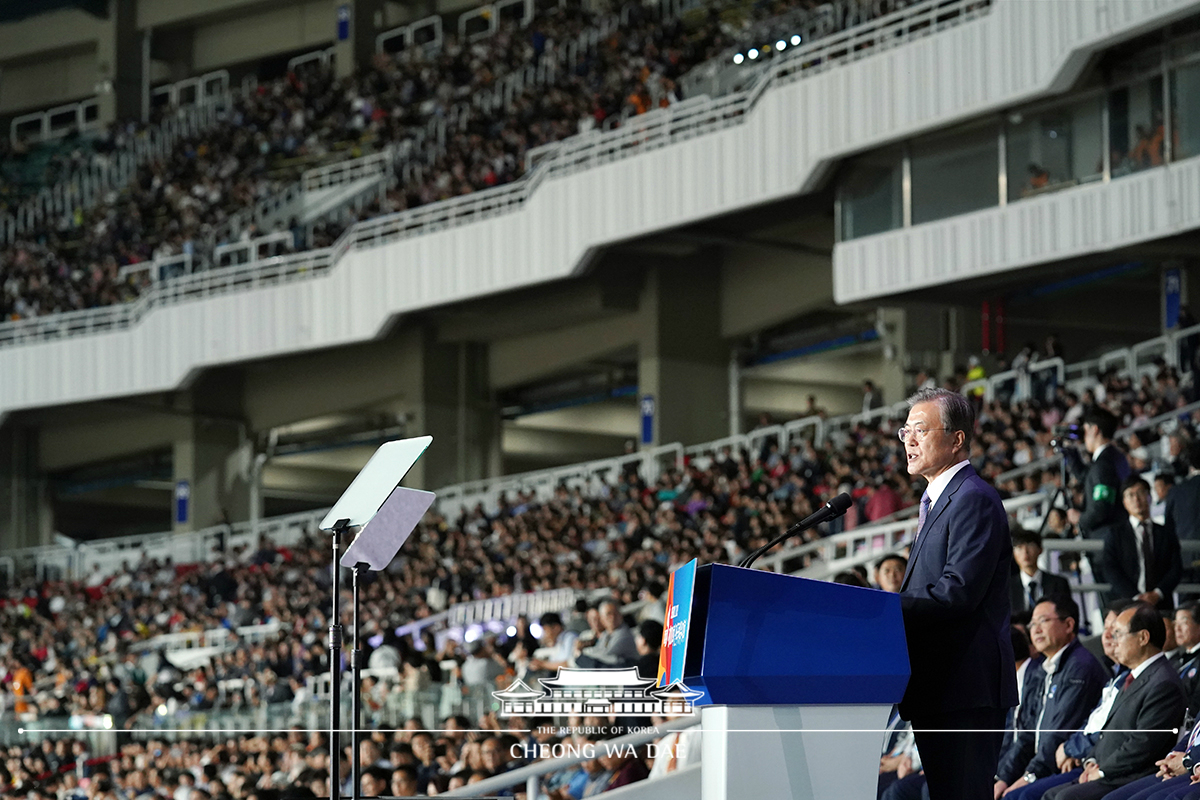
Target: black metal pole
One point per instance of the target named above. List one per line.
(335, 669)
(355, 700)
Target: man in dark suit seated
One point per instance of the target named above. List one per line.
(1030, 583)
(1186, 658)
(1141, 559)
(1183, 509)
(1174, 777)
(1061, 688)
(1183, 503)
(954, 598)
(1144, 716)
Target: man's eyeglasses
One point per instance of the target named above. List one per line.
(917, 433)
(1116, 634)
(1039, 621)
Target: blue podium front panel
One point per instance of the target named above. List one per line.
(759, 638)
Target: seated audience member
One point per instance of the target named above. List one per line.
(614, 645)
(648, 639)
(557, 645)
(1070, 753)
(1062, 685)
(1164, 482)
(889, 572)
(623, 768)
(374, 781)
(483, 664)
(1182, 508)
(1175, 777)
(1148, 707)
(1186, 658)
(404, 781)
(850, 578)
(1030, 583)
(1141, 560)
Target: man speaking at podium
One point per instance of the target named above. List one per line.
(956, 606)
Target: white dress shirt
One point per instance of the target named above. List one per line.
(1041, 585)
(939, 484)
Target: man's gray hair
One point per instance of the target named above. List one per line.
(957, 412)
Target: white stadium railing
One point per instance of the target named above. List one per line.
(108, 554)
(90, 184)
(642, 134)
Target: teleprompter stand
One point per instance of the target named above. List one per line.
(385, 514)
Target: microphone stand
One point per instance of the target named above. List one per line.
(335, 664)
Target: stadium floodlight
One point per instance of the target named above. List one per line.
(780, 45)
(738, 58)
(796, 39)
(753, 53)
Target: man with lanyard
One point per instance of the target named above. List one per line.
(1060, 689)
(1070, 753)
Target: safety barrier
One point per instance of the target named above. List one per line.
(645, 133)
(212, 87)
(453, 500)
(91, 183)
(824, 558)
(54, 123)
(412, 34)
(216, 637)
(162, 268)
(324, 57)
(489, 492)
(253, 250)
(347, 171)
(669, 785)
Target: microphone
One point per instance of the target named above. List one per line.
(831, 510)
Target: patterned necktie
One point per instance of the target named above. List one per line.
(1147, 553)
(924, 513)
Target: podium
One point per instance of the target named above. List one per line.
(797, 680)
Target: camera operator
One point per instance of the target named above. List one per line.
(1103, 477)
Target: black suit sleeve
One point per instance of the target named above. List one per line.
(1103, 496)
(1170, 561)
(1116, 564)
(1161, 709)
(1169, 523)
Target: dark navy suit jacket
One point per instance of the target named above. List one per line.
(955, 603)
(1074, 690)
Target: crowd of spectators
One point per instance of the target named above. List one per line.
(426, 104)
(75, 648)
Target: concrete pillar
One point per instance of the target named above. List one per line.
(365, 19)
(211, 471)
(26, 517)
(447, 395)
(683, 363)
(890, 322)
(119, 64)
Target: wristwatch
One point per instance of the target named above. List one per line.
(1030, 777)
